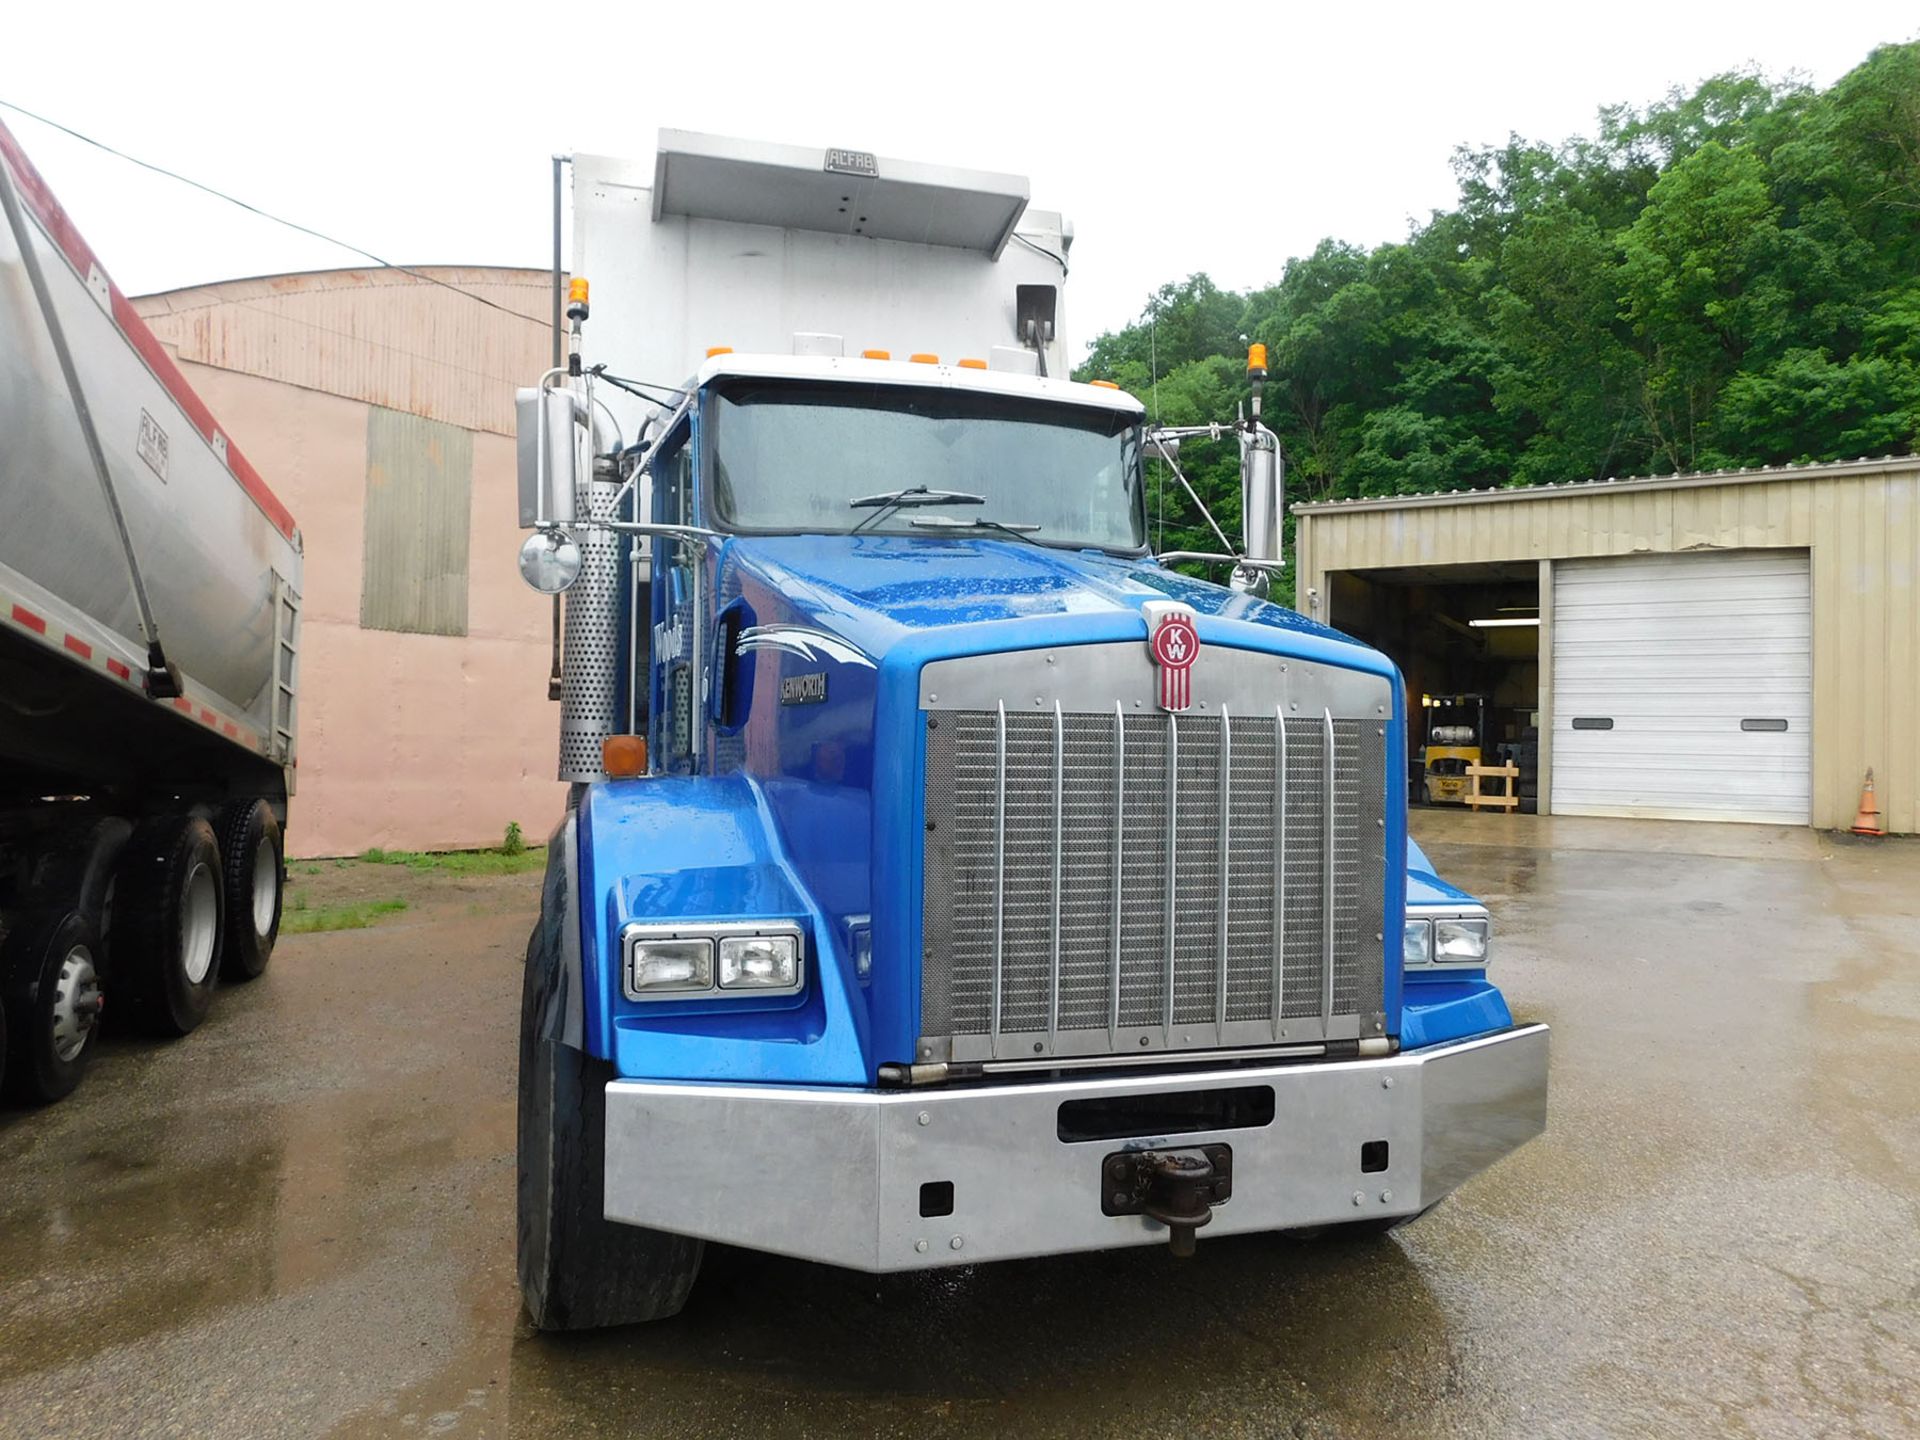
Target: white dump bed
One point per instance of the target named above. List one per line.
(218, 552)
(748, 245)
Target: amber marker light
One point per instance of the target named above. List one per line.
(713, 350)
(623, 756)
(876, 354)
(973, 364)
(1104, 384)
(924, 359)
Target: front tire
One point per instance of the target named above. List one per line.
(51, 1006)
(579, 1270)
(253, 863)
(168, 923)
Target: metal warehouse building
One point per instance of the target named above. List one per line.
(379, 405)
(1742, 645)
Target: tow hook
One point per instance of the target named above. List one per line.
(1179, 1188)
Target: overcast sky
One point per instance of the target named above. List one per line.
(1176, 136)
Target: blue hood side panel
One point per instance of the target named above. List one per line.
(702, 850)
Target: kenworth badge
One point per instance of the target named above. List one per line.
(1174, 644)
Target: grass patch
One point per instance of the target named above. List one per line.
(299, 919)
(512, 856)
(462, 862)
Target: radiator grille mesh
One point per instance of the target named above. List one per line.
(1161, 827)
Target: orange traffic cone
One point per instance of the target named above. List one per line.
(1867, 822)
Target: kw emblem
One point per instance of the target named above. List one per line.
(1174, 643)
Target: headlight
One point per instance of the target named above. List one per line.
(667, 965)
(751, 958)
(1433, 941)
(1417, 947)
(759, 962)
(1460, 941)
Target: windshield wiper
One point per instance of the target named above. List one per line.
(1016, 529)
(885, 505)
(918, 495)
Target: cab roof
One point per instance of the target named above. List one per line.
(917, 374)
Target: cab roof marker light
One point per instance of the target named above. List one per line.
(713, 350)
(923, 359)
(973, 364)
(876, 354)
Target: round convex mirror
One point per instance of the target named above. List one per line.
(549, 561)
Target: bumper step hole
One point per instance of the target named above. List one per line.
(1373, 1157)
(936, 1199)
(1185, 1112)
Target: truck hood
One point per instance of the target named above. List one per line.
(879, 592)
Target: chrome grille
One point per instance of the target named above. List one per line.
(1105, 881)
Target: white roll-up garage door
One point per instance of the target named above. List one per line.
(1683, 686)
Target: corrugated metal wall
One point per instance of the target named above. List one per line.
(383, 336)
(413, 573)
(1861, 520)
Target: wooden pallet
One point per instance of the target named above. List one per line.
(1476, 773)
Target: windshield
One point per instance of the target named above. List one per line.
(795, 457)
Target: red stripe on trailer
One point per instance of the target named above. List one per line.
(67, 239)
(79, 647)
(115, 667)
(26, 617)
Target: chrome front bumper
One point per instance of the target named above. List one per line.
(836, 1175)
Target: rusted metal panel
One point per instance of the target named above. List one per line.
(417, 517)
(405, 340)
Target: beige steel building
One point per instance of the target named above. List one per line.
(1742, 645)
(379, 406)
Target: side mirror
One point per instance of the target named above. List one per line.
(549, 561)
(549, 454)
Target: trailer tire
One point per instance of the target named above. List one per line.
(578, 1270)
(254, 864)
(51, 984)
(167, 923)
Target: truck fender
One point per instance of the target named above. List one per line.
(80, 867)
(553, 949)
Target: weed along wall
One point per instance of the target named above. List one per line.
(358, 892)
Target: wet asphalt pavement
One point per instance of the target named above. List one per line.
(300, 1221)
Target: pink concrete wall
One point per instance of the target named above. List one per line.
(405, 741)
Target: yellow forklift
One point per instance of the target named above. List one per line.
(1456, 733)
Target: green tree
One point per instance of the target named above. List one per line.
(1728, 276)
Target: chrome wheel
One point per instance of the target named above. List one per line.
(266, 889)
(76, 1003)
(199, 924)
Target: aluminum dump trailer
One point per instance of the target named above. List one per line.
(149, 633)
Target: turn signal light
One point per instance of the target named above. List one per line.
(623, 756)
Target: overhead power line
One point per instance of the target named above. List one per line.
(269, 215)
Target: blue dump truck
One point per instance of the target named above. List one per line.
(944, 879)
